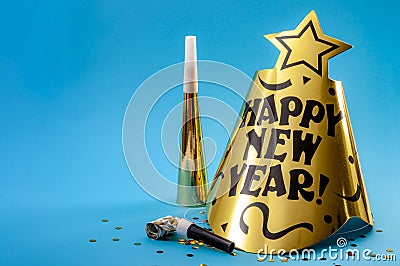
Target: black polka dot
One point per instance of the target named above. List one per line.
(319, 201)
(328, 219)
(351, 159)
(213, 202)
(189, 255)
(322, 259)
(159, 251)
(353, 245)
(331, 91)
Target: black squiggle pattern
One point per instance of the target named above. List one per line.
(352, 198)
(265, 210)
(275, 87)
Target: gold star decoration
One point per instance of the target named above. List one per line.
(307, 45)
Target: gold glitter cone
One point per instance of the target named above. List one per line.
(291, 176)
(192, 177)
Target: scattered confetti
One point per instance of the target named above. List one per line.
(389, 250)
(379, 230)
(200, 243)
(362, 236)
(271, 260)
(105, 220)
(195, 218)
(192, 242)
(322, 258)
(260, 259)
(195, 247)
(349, 253)
(189, 255)
(92, 240)
(118, 228)
(284, 260)
(202, 212)
(372, 255)
(205, 221)
(202, 264)
(137, 244)
(233, 254)
(353, 245)
(115, 239)
(159, 251)
(304, 258)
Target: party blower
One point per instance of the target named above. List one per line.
(192, 177)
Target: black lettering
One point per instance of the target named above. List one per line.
(250, 177)
(269, 105)
(255, 141)
(275, 173)
(308, 113)
(275, 140)
(285, 110)
(252, 110)
(332, 119)
(235, 176)
(296, 186)
(307, 146)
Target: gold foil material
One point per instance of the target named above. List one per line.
(192, 178)
(291, 176)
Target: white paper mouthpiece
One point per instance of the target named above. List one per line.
(182, 227)
(190, 78)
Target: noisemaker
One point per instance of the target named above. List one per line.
(192, 177)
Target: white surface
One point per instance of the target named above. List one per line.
(190, 78)
(182, 227)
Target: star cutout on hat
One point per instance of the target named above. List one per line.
(307, 45)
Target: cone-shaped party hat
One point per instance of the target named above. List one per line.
(290, 176)
(192, 177)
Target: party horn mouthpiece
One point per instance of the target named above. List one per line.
(192, 176)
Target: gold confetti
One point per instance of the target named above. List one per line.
(118, 227)
(202, 264)
(202, 212)
(205, 221)
(137, 244)
(389, 250)
(192, 242)
(284, 260)
(200, 243)
(105, 220)
(195, 247)
(349, 253)
(372, 255)
(92, 240)
(181, 240)
(271, 260)
(115, 239)
(260, 259)
(379, 230)
(233, 254)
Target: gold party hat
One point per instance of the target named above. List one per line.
(290, 176)
(192, 177)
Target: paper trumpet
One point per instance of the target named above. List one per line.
(291, 176)
(192, 177)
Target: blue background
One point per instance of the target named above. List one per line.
(68, 70)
